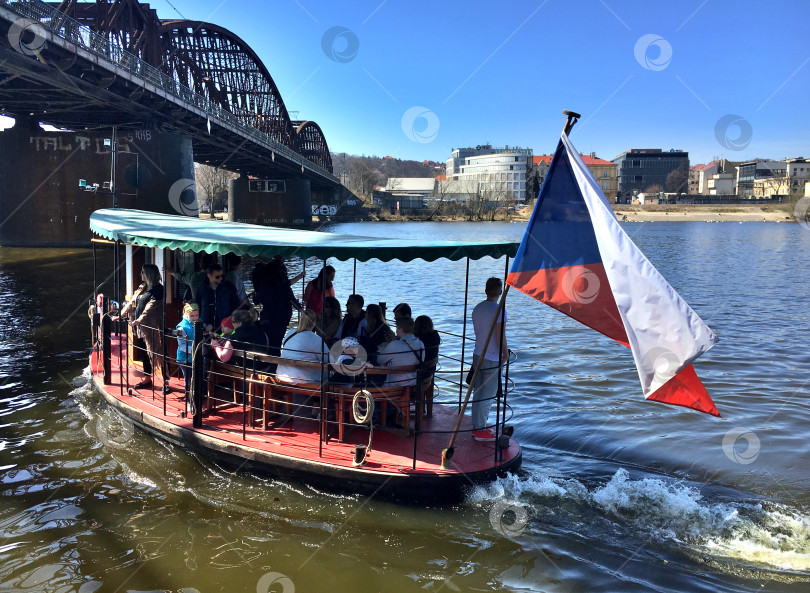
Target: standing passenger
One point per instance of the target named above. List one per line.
(319, 288)
(148, 323)
(233, 274)
(273, 292)
(194, 280)
(217, 299)
(185, 337)
(486, 385)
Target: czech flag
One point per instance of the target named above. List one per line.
(576, 258)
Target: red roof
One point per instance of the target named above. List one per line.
(441, 177)
(703, 167)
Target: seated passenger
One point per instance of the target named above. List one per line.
(247, 335)
(401, 311)
(423, 329)
(376, 333)
(405, 351)
(303, 344)
(330, 320)
(354, 322)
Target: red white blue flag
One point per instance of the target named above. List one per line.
(576, 258)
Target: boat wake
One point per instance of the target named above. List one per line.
(761, 533)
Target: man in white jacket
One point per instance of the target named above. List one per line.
(406, 350)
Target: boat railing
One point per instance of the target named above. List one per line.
(253, 387)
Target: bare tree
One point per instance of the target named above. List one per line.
(212, 184)
(678, 180)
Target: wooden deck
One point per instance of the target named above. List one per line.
(296, 449)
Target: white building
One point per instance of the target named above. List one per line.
(798, 172)
(423, 186)
(721, 184)
(499, 173)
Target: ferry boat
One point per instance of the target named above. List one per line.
(246, 417)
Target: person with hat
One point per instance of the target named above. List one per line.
(185, 337)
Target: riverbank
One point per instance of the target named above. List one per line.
(704, 213)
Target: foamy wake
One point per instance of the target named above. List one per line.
(763, 533)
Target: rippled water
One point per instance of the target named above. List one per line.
(615, 494)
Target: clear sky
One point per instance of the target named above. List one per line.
(414, 79)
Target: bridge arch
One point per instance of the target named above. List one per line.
(311, 143)
(219, 65)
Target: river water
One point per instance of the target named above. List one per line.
(615, 493)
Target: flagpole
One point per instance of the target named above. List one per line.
(447, 454)
(573, 117)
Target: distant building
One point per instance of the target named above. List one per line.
(755, 177)
(721, 184)
(700, 177)
(798, 171)
(421, 186)
(604, 172)
(640, 169)
(500, 173)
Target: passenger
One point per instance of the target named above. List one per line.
(246, 336)
(330, 320)
(217, 299)
(185, 337)
(226, 326)
(233, 274)
(319, 289)
(272, 290)
(376, 333)
(349, 365)
(402, 310)
(423, 329)
(194, 280)
(486, 384)
(406, 350)
(354, 322)
(304, 344)
(147, 324)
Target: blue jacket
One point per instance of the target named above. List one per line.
(185, 337)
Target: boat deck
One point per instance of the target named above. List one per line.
(392, 453)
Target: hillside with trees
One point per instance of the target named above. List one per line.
(361, 174)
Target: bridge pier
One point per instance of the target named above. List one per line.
(290, 205)
(42, 203)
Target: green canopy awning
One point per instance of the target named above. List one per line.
(214, 236)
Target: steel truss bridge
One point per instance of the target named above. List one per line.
(80, 65)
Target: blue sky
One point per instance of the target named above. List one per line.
(415, 79)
